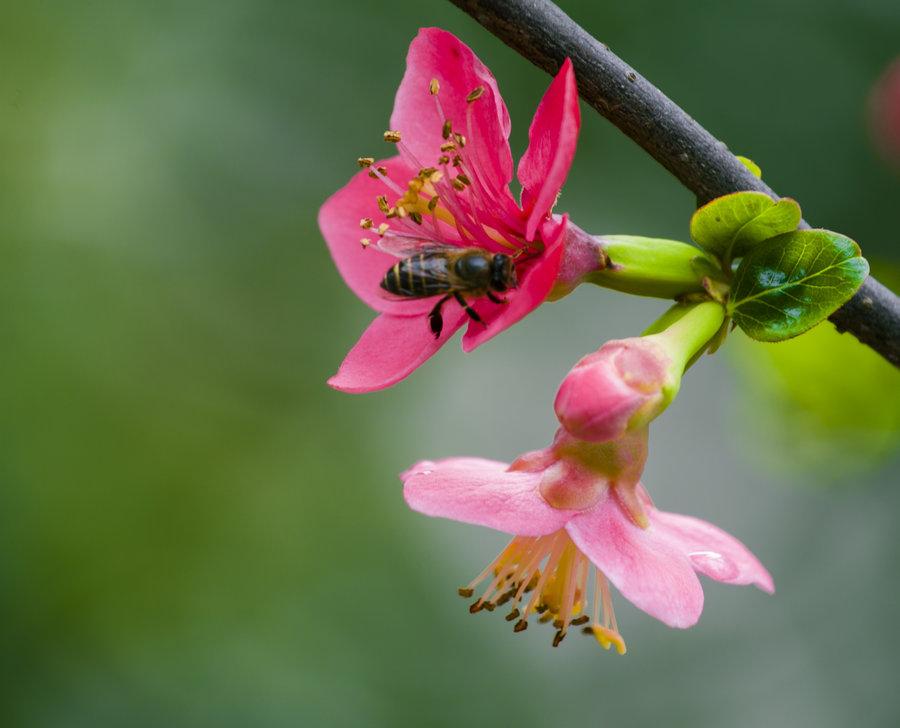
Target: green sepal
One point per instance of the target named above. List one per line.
(649, 266)
(731, 225)
(792, 282)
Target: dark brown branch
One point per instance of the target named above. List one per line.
(545, 35)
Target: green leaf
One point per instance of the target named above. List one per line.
(731, 225)
(751, 165)
(789, 283)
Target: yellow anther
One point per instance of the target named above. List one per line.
(460, 139)
(365, 242)
(476, 93)
(383, 228)
(448, 147)
(433, 202)
(457, 185)
(434, 87)
(425, 174)
(381, 170)
(365, 223)
(416, 217)
(462, 178)
(443, 159)
(392, 136)
(465, 592)
(365, 161)
(607, 638)
(382, 203)
(448, 127)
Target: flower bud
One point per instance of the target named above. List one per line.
(623, 385)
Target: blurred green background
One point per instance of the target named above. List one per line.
(196, 531)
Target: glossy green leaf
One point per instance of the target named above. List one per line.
(751, 165)
(789, 283)
(731, 225)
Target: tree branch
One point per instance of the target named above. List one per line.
(545, 35)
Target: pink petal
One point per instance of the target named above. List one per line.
(483, 492)
(535, 283)
(645, 566)
(363, 268)
(713, 552)
(551, 147)
(391, 349)
(437, 54)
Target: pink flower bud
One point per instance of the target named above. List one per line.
(621, 386)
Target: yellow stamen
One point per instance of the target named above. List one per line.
(365, 242)
(447, 128)
(607, 638)
(392, 136)
(365, 161)
(559, 588)
(475, 94)
(434, 87)
(366, 223)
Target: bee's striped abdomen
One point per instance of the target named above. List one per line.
(418, 276)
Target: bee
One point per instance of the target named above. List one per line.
(428, 269)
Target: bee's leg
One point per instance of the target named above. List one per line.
(473, 314)
(495, 299)
(435, 320)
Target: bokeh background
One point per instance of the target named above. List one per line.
(196, 531)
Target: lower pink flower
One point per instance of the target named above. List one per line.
(572, 513)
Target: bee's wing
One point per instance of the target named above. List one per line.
(405, 247)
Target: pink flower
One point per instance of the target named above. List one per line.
(625, 384)
(622, 385)
(449, 186)
(573, 507)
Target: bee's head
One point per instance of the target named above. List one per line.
(503, 273)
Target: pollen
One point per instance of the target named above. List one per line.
(366, 223)
(383, 228)
(475, 94)
(392, 136)
(365, 242)
(458, 184)
(434, 87)
(381, 171)
(556, 575)
(447, 129)
(382, 204)
(460, 140)
(365, 161)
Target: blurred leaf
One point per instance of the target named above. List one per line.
(792, 282)
(821, 402)
(732, 224)
(751, 165)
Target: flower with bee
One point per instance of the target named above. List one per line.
(432, 238)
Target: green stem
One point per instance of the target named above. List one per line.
(690, 330)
